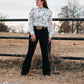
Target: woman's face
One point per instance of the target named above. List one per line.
(39, 2)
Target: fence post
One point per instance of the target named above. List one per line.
(77, 27)
(72, 26)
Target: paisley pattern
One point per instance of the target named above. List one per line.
(40, 17)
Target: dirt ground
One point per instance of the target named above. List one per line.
(12, 76)
(10, 72)
(66, 71)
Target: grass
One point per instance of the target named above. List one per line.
(56, 64)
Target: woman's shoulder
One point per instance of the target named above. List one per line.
(33, 8)
(49, 10)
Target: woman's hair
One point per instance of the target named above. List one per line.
(45, 4)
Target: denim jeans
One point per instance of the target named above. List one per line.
(41, 35)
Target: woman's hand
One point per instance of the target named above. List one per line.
(49, 39)
(33, 38)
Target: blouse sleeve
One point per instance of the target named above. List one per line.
(50, 25)
(31, 28)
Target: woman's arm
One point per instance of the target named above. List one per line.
(50, 25)
(31, 18)
(31, 28)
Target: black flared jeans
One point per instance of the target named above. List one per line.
(41, 35)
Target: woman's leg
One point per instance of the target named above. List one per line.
(27, 61)
(43, 39)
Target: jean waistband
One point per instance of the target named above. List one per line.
(40, 27)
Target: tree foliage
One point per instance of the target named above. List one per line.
(3, 27)
(71, 10)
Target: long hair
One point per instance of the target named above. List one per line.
(45, 4)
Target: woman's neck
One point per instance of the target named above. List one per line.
(40, 6)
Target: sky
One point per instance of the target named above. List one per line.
(20, 8)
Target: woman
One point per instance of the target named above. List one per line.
(41, 28)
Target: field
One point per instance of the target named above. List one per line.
(62, 71)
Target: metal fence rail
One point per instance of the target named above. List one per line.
(53, 38)
(54, 19)
(22, 55)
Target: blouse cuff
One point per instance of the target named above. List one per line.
(50, 35)
(32, 32)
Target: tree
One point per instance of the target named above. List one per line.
(72, 10)
(3, 27)
(65, 25)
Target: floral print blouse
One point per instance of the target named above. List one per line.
(40, 17)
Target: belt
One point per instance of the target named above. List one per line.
(40, 27)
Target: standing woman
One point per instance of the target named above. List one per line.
(41, 28)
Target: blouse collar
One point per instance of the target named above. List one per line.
(40, 8)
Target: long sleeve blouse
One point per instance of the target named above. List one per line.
(40, 17)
